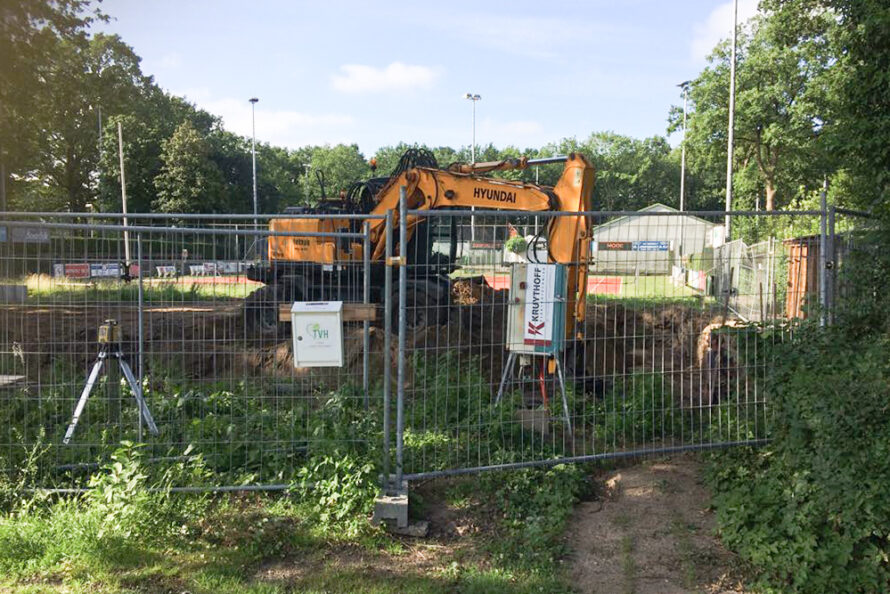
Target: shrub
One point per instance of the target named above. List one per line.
(340, 491)
(516, 245)
(812, 510)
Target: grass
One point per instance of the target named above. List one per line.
(43, 288)
(648, 287)
(121, 539)
(688, 554)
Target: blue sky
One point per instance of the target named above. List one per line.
(376, 73)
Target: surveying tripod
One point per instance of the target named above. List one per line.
(110, 346)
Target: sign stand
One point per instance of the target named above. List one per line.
(508, 377)
(536, 325)
(110, 346)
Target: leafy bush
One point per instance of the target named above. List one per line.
(516, 244)
(532, 509)
(812, 510)
(636, 410)
(340, 490)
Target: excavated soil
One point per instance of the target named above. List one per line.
(212, 340)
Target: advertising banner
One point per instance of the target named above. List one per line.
(105, 270)
(651, 246)
(614, 246)
(77, 270)
(28, 235)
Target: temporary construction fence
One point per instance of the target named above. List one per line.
(209, 358)
(665, 347)
(670, 352)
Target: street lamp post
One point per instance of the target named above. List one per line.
(474, 97)
(253, 101)
(685, 86)
(731, 126)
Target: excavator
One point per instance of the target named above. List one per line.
(331, 268)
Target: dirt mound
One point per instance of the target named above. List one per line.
(211, 340)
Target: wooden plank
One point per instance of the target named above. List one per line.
(11, 381)
(352, 312)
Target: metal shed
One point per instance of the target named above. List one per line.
(647, 244)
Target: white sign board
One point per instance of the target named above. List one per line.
(317, 333)
(540, 281)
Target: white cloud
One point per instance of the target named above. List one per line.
(358, 78)
(718, 26)
(280, 127)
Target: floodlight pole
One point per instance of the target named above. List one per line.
(474, 97)
(731, 130)
(120, 151)
(685, 86)
(253, 101)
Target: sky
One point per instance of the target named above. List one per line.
(380, 73)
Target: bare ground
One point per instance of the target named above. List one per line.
(652, 532)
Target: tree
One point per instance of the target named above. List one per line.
(341, 165)
(856, 36)
(781, 108)
(632, 173)
(148, 123)
(30, 32)
(189, 180)
(102, 74)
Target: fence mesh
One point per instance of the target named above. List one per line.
(672, 350)
(213, 361)
(669, 347)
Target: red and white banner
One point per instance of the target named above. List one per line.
(77, 270)
(540, 282)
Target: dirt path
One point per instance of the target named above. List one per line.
(651, 532)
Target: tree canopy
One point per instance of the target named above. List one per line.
(813, 103)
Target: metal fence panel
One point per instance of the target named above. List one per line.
(205, 344)
(672, 352)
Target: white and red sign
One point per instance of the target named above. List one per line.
(540, 282)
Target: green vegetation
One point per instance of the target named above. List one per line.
(131, 533)
(45, 289)
(810, 511)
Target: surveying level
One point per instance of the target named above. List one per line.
(109, 339)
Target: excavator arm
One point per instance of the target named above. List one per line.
(568, 236)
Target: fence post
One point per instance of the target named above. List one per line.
(823, 254)
(832, 265)
(140, 322)
(403, 318)
(387, 347)
(366, 326)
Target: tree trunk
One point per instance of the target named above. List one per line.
(770, 196)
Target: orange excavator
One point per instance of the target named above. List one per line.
(330, 268)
